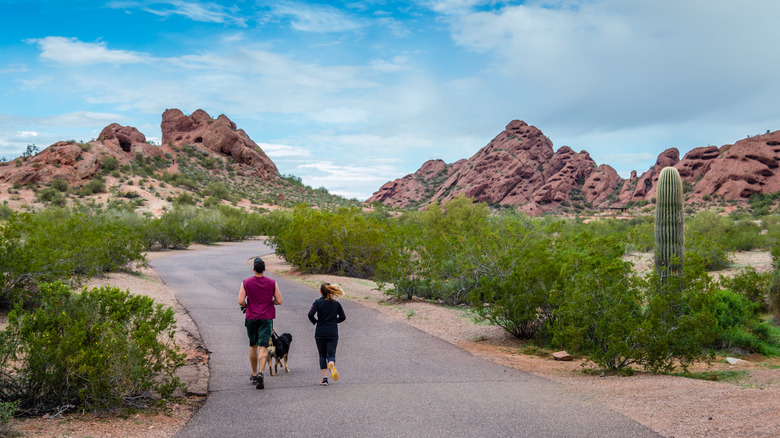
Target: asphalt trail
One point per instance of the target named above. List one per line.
(395, 380)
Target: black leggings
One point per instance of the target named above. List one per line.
(327, 350)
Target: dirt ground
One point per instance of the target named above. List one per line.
(745, 406)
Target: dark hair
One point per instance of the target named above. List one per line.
(259, 265)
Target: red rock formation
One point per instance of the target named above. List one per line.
(577, 167)
(412, 188)
(218, 135)
(748, 166)
(517, 167)
(601, 184)
(63, 160)
(126, 136)
(645, 185)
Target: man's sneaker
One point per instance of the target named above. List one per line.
(252, 378)
(324, 381)
(333, 372)
(259, 381)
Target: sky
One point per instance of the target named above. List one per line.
(348, 95)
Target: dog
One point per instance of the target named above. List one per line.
(278, 347)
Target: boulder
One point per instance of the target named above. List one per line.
(126, 136)
(218, 135)
(562, 356)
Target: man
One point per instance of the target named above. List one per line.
(257, 297)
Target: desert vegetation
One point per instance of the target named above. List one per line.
(68, 348)
(559, 283)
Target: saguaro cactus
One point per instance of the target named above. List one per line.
(669, 241)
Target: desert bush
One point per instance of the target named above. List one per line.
(218, 190)
(211, 202)
(61, 244)
(751, 284)
(599, 310)
(96, 350)
(169, 231)
(7, 411)
(52, 196)
(109, 163)
(270, 224)
(94, 186)
(740, 326)
(5, 212)
(342, 242)
(518, 286)
(712, 236)
(185, 199)
(60, 184)
(677, 324)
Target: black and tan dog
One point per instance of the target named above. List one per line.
(278, 348)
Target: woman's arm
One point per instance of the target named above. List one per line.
(312, 312)
(340, 316)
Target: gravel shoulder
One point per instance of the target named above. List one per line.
(673, 406)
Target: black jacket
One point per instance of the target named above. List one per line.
(326, 315)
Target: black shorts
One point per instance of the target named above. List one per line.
(259, 331)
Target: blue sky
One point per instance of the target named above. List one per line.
(349, 95)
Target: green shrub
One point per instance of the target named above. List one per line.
(94, 350)
(51, 195)
(211, 202)
(60, 184)
(599, 310)
(59, 244)
(740, 326)
(343, 242)
(93, 187)
(109, 163)
(168, 231)
(5, 212)
(185, 199)
(751, 284)
(7, 411)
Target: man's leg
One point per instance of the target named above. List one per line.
(253, 359)
(262, 357)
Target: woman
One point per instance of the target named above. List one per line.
(326, 313)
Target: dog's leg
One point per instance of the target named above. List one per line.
(286, 369)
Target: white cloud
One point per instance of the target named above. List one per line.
(397, 64)
(15, 68)
(453, 7)
(206, 12)
(615, 63)
(320, 18)
(17, 132)
(351, 181)
(275, 151)
(71, 51)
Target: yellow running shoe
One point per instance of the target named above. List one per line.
(333, 372)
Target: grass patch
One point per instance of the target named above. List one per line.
(727, 376)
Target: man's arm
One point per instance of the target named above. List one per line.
(277, 295)
(242, 296)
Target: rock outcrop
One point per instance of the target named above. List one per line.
(519, 167)
(219, 135)
(748, 166)
(77, 162)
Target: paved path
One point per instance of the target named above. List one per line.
(395, 380)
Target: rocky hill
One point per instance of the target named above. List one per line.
(200, 157)
(520, 168)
